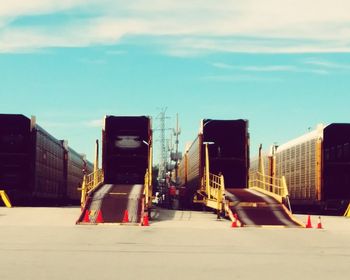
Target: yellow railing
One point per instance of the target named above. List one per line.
(147, 190)
(5, 198)
(214, 187)
(347, 212)
(212, 191)
(90, 182)
(277, 186)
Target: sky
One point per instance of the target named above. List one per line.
(282, 65)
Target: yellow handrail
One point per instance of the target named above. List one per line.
(213, 187)
(347, 212)
(5, 198)
(270, 184)
(90, 182)
(146, 191)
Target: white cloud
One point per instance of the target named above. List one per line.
(94, 123)
(116, 52)
(11, 8)
(240, 78)
(265, 68)
(194, 27)
(327, 64)
(270, 68)
(93, 61)
(75, 124)
(50, 124)
(283, 68)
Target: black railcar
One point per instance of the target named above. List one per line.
(228, 146)
(15, 155)
(77, 166)
(35, 167)
(336, 164)
(126, 149)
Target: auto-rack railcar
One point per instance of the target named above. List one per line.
(77, 166)
(35, 167)
(228, 145)
(316, 167)
(127, 142)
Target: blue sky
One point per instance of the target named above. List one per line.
(283, 66)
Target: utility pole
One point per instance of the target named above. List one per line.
(176, 134)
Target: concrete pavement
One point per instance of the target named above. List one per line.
(45, 243)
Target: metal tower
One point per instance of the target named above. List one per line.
(177, 132)
(163, 147)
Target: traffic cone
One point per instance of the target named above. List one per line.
(86, 217)
(99, 218)
(319, 225)
(308, 224)
(234, 223)
(145, 222)
(126, 217)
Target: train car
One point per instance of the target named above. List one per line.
(317, 169)
(15, 155)
(77, 166)
(48, 172)
(34, 166)
(126, 149)
(228, 145)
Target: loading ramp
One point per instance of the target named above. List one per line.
(112, 201)
(254, 208)
(262, 204)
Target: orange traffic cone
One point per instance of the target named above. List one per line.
(126, 217)
(234, 223)
(319, 225)
(99, 218)
(86, 217)
(145, 222)
(308, 224)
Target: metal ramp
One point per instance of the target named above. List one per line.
(254, 208)
(107, 203)
(111, 201)
(259, 205)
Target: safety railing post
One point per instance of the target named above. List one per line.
(207, 169)
(83, 193)
(284, 186)
(347, 212)
(5, 198)
(221, 193)
(277, 186)
(146, 191)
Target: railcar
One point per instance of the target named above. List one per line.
(316, 167)
(35, 167)
(77, 166)
(127, 142)
(228, 146)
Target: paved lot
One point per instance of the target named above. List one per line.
(45, 243)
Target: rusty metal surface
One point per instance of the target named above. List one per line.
(256, 209)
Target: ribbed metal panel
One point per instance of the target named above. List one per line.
(194, 162)
(49, 166)
(298, 164)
